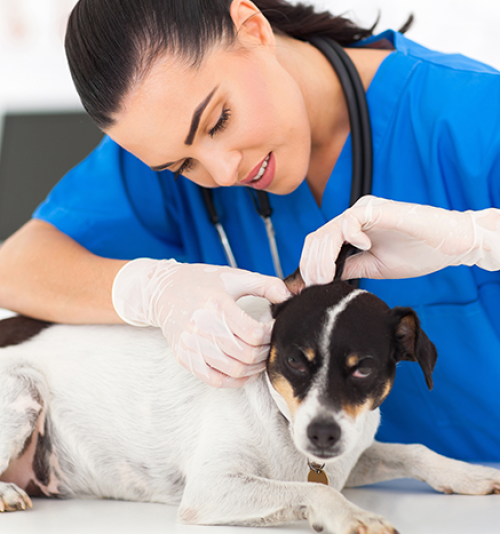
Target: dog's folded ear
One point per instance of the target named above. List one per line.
(412, 342)
(345, 251)
(294, 282)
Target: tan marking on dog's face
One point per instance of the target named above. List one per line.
(352, 360)
(355, 410)
(385, 392)
(284, 388)
(273, 354)
(310, 354)
(387, 389)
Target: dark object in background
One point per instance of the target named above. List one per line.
(37, 149)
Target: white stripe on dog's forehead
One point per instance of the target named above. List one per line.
(332, 315)
(320, 381)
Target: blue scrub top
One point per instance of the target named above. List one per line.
(436, 136)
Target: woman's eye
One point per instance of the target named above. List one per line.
(364, 369)
(296, 364)
(188, 164)
(222, 123)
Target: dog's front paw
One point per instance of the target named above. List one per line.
(352, 521)
(368, 523)
(13, 498)
(466, 479)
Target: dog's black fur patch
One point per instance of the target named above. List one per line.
(18, 329)
(41, 460)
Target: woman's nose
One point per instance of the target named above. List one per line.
(223, 167)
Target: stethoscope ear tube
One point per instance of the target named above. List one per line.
(359, 116)
(214, 218)
(265, 211)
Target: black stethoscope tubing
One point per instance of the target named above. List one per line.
(361, 147)
(359, 116)
(263, 208)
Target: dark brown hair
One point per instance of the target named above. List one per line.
(110, 44)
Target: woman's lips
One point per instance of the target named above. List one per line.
(266, 168)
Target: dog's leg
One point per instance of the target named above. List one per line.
(387, 461)
(257, 501)
(20, 408)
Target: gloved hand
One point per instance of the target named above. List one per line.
(401, 240)
(195, 306)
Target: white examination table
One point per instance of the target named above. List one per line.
(412, 506)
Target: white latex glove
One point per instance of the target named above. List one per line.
(401, 240)
(195, 306)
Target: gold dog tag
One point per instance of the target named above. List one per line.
(316, 474)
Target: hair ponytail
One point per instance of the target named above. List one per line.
(301, 21)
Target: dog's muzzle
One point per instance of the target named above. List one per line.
(324, 437)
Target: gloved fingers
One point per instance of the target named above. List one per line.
(362, 265)
(218, 328)
(239, 350)
(310, 261)
(353, 231)
(230, 325)
(206, 350)
(128, 288)
(394, 256)
(193, 363)
(209, 351)
(243, 327)
(321, 249)
(241, 283)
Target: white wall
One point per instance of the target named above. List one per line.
(33, 70)
(34, 75)
(470, 27)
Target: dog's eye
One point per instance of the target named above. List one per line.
(296, 364)
(364, 368)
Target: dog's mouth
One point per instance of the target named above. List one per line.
(324, 455)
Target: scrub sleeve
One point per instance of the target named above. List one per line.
(436, 141)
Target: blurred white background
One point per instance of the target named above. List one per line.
(34, 74)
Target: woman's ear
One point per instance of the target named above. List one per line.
(251, 25)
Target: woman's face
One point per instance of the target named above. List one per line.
(238, 119)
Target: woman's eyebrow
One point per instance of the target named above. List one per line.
(195, 122)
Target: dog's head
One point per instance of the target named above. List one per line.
(333, 357)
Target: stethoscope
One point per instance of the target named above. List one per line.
(361, 141)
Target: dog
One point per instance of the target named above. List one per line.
(106, 411)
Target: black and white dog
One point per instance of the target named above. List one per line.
(107, 411)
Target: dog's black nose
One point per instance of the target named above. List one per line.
(323, 434)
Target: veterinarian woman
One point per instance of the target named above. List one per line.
(228, 93)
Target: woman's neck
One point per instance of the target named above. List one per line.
(325, 102)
